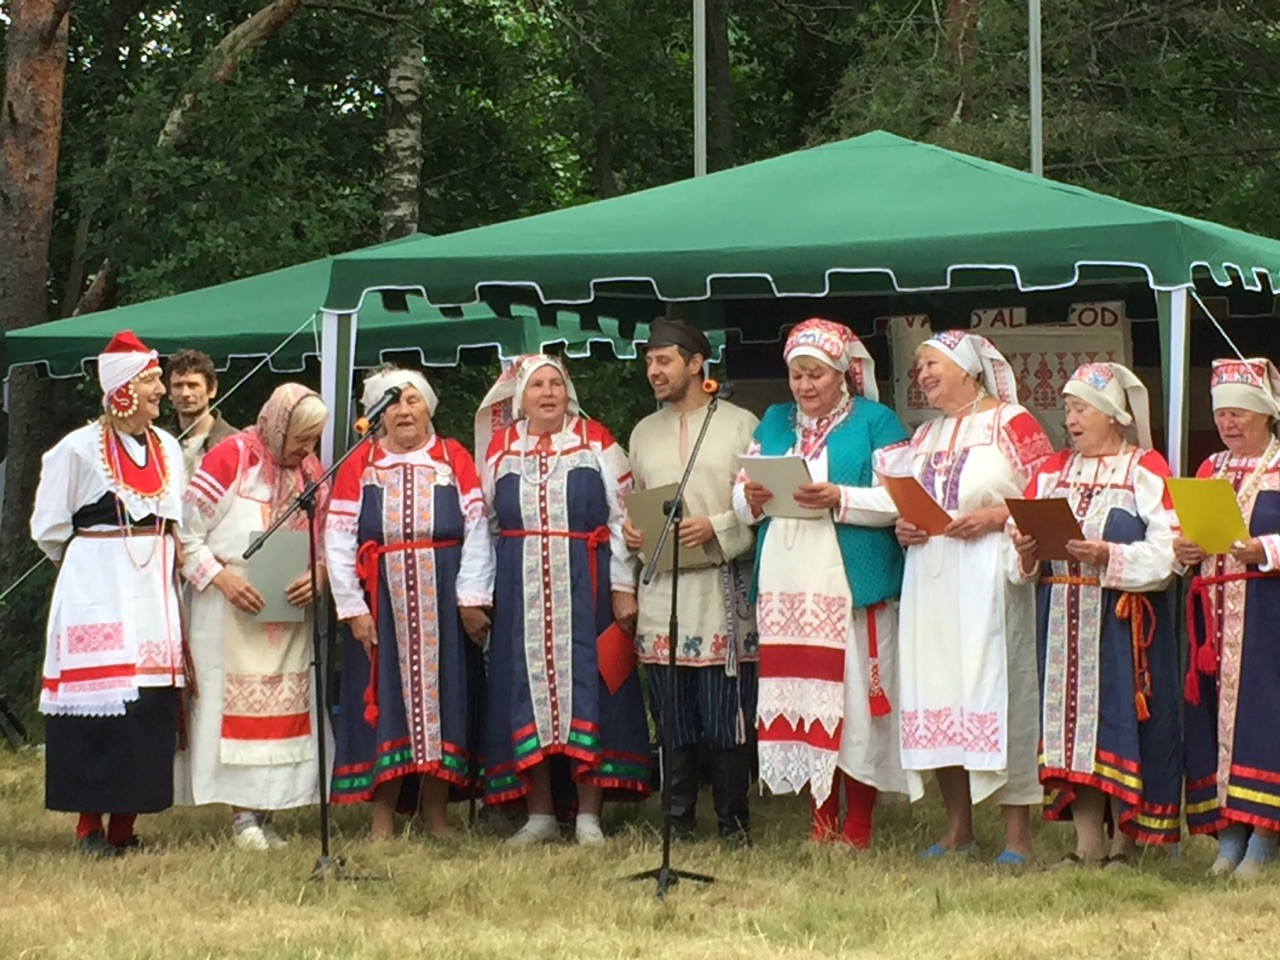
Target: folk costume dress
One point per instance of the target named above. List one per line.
(1233, 679)
(969, 693)
(408, 544)
(717, 652)
(252, 738)
(105, 511)
(556, 506)
(826, 592)
(1110, 698)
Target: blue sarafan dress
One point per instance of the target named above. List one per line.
(556, 507)
(1233, 680)
(407, 542)
(1110, 697)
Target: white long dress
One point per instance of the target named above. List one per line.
(969, 690)
(266, 758)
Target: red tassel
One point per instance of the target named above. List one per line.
(1144, 712)
(1191, 690)
(371, 701)
(879, 704)
(1207, 659)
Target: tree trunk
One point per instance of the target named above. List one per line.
(957, 33)
(30, 128)
(402, 163)
(222, 61)
(720, 155)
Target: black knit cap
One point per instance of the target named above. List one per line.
(677, 333)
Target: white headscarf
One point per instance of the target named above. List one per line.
(1246, 385)
(379, 382)
(1117, 392)
(501, 405)
(123, 359)
(978, 357)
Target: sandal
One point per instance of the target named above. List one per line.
(938, 850)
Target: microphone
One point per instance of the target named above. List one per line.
(723, 391)
(373, 415)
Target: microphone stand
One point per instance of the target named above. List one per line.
(666, 875)
(326, 865)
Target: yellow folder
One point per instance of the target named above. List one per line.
(1208, 512)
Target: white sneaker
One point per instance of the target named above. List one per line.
(1222, 866)
(274, 840)
(587, 830)
(252, 838)
(1249, 870)
(539, 828)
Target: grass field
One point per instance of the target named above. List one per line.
(194, 896)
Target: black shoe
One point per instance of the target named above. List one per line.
(682, 831)
(95, 845)
(130, 844)
(735, 838)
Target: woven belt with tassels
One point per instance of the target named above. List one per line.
(1204, 651)
(1137, 609)
(368, 562)
(594, 539)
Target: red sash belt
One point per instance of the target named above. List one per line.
(1137, 609)
(368, 562)
(594, 539)
(1204, 651)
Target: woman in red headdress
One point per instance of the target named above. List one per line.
(1233, 678)
(828, 589)
(109, 498)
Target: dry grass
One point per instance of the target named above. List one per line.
(197, 897)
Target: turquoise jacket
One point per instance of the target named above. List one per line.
(872, 557)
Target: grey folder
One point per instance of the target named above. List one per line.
(282, 560)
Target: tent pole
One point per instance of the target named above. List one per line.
(1037, 102)
(699, 88)
(337, 363)
(1175, 330)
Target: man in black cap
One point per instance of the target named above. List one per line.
(718, 650)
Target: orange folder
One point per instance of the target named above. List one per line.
(616, 654)
(1049, 522)
(915, 505)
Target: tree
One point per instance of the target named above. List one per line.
(30, 127)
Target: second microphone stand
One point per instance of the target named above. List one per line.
(326, 865)
(666, 875)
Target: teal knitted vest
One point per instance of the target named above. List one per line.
(871, 555)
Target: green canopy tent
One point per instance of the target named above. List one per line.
(874, 215)
(274, 315)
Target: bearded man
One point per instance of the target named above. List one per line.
(718, 650)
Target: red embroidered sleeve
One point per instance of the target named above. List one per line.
(1024, 443)
(215, 476)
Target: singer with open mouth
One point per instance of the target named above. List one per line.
(716, 652)
(408, 563)
(564, 605)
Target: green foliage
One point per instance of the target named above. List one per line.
(1165, 104)
(531, 105)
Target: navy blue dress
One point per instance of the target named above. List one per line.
(423, 722)
(546, 697)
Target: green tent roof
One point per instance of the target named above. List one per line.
(276, 314)
(875, 213)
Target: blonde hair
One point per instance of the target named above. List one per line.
(309, 414)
